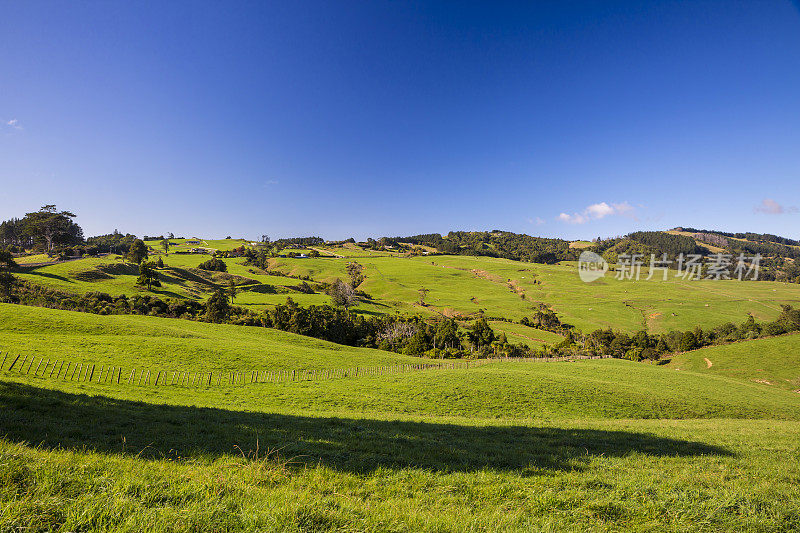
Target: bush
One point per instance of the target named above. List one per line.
(214, 264)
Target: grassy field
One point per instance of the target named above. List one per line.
(137, 341)
(457, 286)
(771, 362)
(519, 334)
(589, 445)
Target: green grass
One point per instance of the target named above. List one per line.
(172, 344)
(591, 445)
(770, 362)
(34, 258)
(519, 334)
(458, 286)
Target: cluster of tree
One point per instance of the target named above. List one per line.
(647, 244)
(546, 319)
(646, 346)
(505, 244)
(750, 236)
(667, 243)
(766, 249)
(115, 243)
(298, 241)
(214, 264)
(45, 230)
(26, 293)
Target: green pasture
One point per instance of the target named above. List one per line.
(456, 286)
(769, 362)
(129, 341)
(519, 334)
(602, 445)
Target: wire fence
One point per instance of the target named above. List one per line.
(65, 370)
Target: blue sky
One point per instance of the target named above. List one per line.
(373, 118)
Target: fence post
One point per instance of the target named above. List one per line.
(35, 372)
(92, 374)
(14, 363)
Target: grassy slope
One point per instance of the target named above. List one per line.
(512, 446)
(462, 285)
(171, 344)
(772, 361)
(519, 334)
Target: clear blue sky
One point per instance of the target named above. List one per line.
(370, 118)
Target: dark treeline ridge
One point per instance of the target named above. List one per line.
(496, 243)
(757, 237)
(299, 241)
(647, 243)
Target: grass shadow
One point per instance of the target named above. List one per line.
(46, 275)
(53, 419)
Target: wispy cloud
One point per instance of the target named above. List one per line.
(596, 212)
(13, 123)
(538, 221)
(270, 182)
(768, 206)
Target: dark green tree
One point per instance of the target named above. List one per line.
(137, 252)
(232, 291)
(218, 308)
(52, 227)
(688, 341)
(482, 334)
(148, 275)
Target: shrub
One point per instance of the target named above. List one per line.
(214, 264)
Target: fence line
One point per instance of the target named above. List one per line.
(88, 373)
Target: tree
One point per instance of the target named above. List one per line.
(148, 275)
(688, 341)
(7, 280)
(54, 227)
(342, 294)
(7, 260)
(422, 293)
(232, 291)
(446, 335)
(160, 263)
(165, 245)
(218, 308)
(137, 252)
(354, 270)
(482, 334)
(215, 264)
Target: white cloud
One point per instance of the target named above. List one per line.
(768, 206)
(596, 212)
(13, 123)
(572, 219)
(538, 221)
(270, 182)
